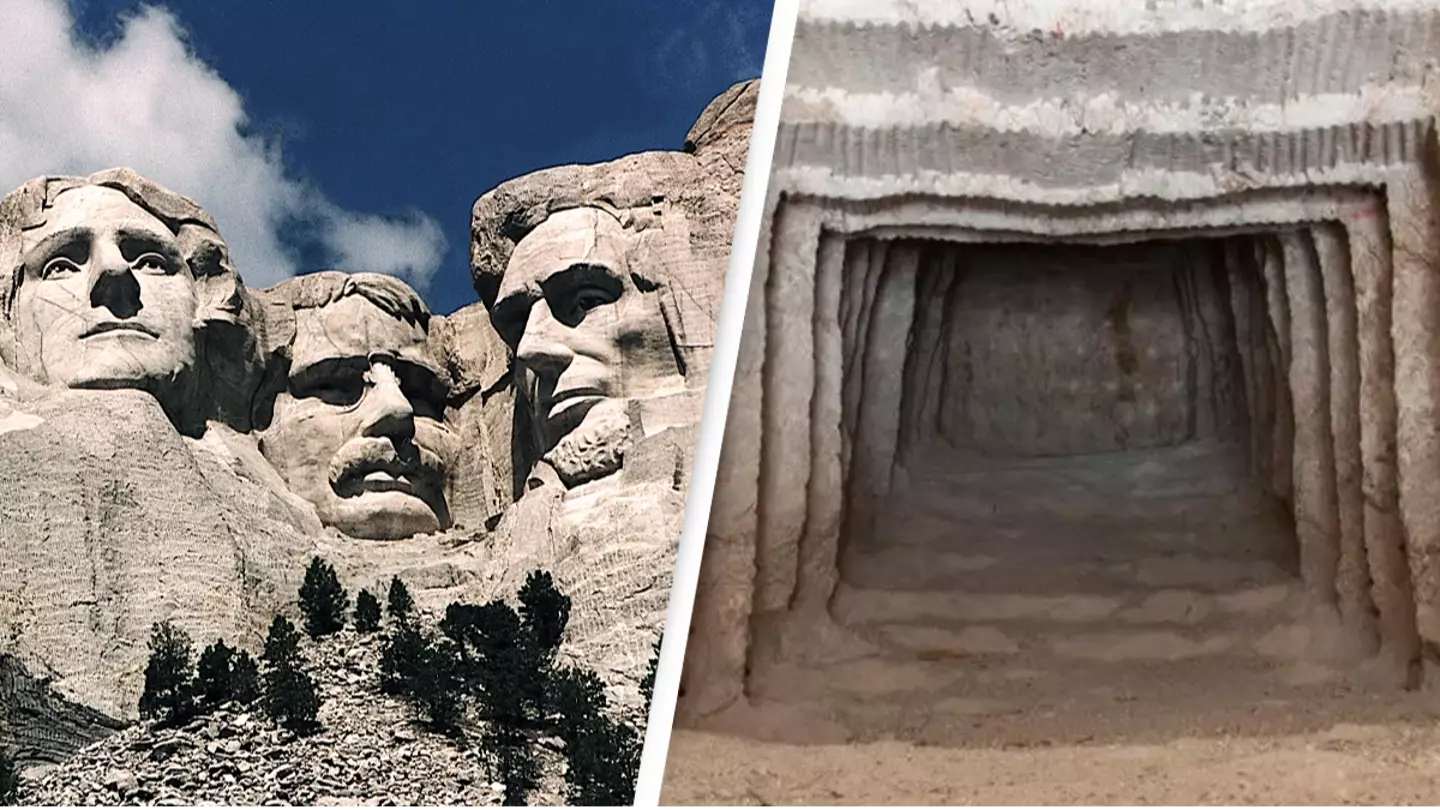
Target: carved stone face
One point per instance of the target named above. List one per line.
(358, 431)
(107, 300)
(585, 338)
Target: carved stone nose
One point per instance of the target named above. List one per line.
(114, 287)
(541, 350)
(388, 412)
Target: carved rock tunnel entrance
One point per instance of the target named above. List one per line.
(1087, 501)
(1073, 441)
(1102, 483)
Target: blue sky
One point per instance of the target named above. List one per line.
(386, 121)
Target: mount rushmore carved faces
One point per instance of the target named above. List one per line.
(356, 425)
(103, 286)
(585, 335)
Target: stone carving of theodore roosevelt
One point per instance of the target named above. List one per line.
(353, 412)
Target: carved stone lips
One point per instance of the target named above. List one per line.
(387, 475)
(382, 481)
(106, 327)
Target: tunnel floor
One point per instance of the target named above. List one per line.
(1126, 598)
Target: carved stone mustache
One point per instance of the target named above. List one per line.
(359, 457)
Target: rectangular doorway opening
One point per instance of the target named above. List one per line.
(1082, 499)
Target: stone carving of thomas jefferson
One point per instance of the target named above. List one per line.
(110, 281)
(353, 408)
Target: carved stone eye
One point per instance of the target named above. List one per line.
(588, 298)
(59, 267)
(152, 263)
(338, 390)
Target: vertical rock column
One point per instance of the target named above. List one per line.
(1416, 331)
(1200, 371)
(1316, 518)
(1248, 314)
(1353, 573)
(719, 642)
(819, 547)
(789, 384)
(1277, 306)
(953, 392)
(885, 345)
(864, 262)
(1369, 241)
(1215, 329)
(924, 368)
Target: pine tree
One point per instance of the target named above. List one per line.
(545, 611)
(244, 678)
(282, 644)
(399, 605)
(290, 695)
(214, 679)
(519, 770)
(322, 599)
(456, 626)
(647, 684)
(367, 612)
(602, 765)
(575, 697)
(9, 780)
(502, 671)
(425, 670)
(292, 699)
(602, 756)
(436, 685)
(168, 691)
(401, 658)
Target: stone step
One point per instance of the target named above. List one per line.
(1196, 494)
(1197, 468)
(1248, 607)
(1056, 650)
(970, 516)
(970, 698)
(1025, 705)
(1057, 570)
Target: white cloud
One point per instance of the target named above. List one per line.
(146, 102)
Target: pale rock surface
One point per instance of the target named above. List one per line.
(112, 521)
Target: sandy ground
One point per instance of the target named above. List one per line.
(1345, 764)
(1123, 629)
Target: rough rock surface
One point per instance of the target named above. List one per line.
(113, 521)
(370, 750)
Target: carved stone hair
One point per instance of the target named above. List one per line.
(315, 291)
(509, 212)
(393, 296)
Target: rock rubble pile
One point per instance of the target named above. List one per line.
(371, 749)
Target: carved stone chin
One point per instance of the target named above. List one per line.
(596, 448)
